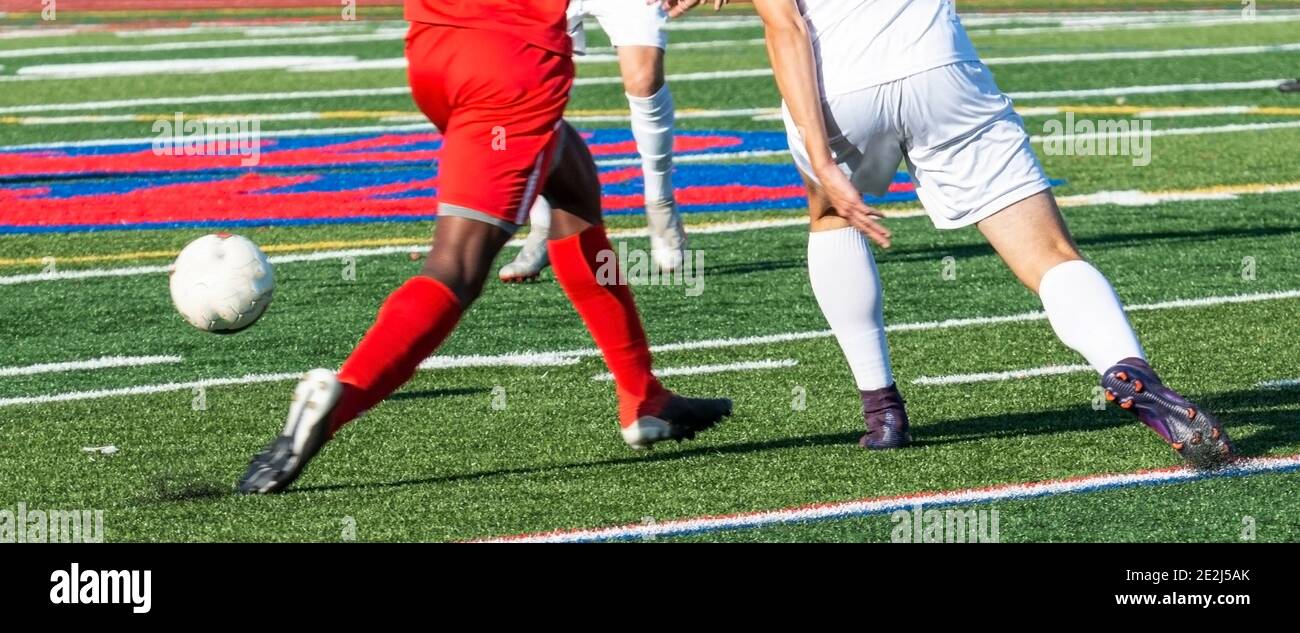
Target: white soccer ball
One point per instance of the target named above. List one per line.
(222, 283)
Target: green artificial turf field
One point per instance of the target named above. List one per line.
(1210, 268)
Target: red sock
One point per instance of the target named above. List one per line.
(412, 323)
(610, 314)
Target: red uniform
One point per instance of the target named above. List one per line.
(494, 76)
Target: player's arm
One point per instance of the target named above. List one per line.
(795, 66)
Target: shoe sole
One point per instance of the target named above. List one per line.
(1198, 438)
(520, 279)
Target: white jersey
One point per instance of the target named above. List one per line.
(863, 43)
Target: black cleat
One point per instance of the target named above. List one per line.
(886, 419)
(679, 419)
(284, 459)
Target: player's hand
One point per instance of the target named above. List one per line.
(676, 8)
(848, 202)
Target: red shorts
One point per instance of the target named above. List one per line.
(499, 103)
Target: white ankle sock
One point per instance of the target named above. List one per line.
(1087, 315)
(844, 279)
(652, 127)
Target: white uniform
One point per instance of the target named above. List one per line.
(626, 22)
(900, 79)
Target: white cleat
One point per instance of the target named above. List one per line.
(305, 432)
(667, 235)
(530, 262)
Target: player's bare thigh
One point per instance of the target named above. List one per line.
(642, 68)
(573, 188)
(1031, 237)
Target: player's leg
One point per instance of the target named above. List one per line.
(531, 259)
(581, 256)
(841, 267)
(973, 164)
(843, 275)
(636, 31)
(524, 102)
(1088, 317)
(653, 122)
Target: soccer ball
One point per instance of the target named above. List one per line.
(222, 283)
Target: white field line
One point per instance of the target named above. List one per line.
(347, 93)
(442, 362)
(712, 24)
(757, 114)
(1147, 54)
(316, 256)
(1231, 128)
(531, 359)
(1016, 374)
(680, 46)
(1123, 198)
(351, 64)
(699, 370)
(686, 114)
(585, 81)
(105, 362)
(284, 29)
(886, 505)
(172, 66)
(524, 359)
(417, 127)
(1153, 113)
(1288, 383)
(1081, 27)
(142, 390)
(90, 70)
(697, 22)
(1121, 91)
(381, 36)
(303, 132)
(261, 117)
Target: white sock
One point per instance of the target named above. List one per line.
(844, 279)
(652, 127)
(1087, 315)
(539, 217)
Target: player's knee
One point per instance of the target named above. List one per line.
(464, 281)
(644, 82)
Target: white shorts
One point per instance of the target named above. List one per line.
(964, 144)
(626, 22)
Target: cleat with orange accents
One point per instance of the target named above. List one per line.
(1195, 435)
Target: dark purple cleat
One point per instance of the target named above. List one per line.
(886, 419)
(1194, 434)
(1290, 86)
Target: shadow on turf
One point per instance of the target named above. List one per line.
(1275, 428)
